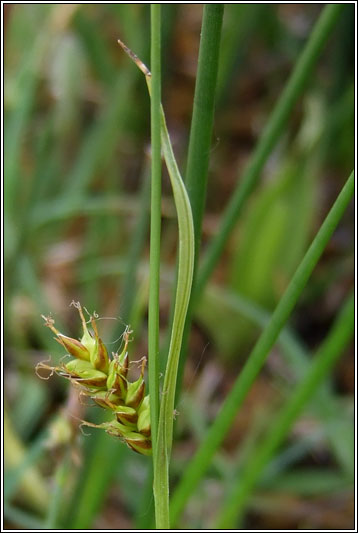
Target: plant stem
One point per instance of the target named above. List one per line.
(155, 223)
(182, 296)
(331, 348)
(201, 136)
(196, 176)
(235, 398)
(184, 284)
(268, 139)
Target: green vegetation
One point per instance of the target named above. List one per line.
(213, 220)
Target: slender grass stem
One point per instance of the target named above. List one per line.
(200, 137)
(155, 223)
(235, 398)
(274, 128)
(182, 296)
(196, 176)
(330, 350)
(184, 284)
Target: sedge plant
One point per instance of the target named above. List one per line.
(145, 421)
(259, 354)
(164, 436)
(104, 379)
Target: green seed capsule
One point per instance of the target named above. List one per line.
(117, 429)
(99, 355)
(85, 373)
(89, 342)
(116, 382)
(136, 390)
(123, 357)
(72, 346)
(105, 381)
(135, 393)
(143, 423)
(100, 360)
(139, 443)
(106, 399)
(126, 415)
(87, 339)
(122, 361)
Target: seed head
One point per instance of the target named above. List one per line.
(73, 346)
(136, 390)
(105, 381)
(143, 423)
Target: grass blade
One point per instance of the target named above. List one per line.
(235, 398)
(201, 135)
(327, 355)
(268, 139)
(203, 114)
(183, 291)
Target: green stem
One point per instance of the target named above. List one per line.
(183, 291)
(184, 283)
(203, 114)
(332, 347)
(234, 400)
(155, 225)
(201, 136)
(268, 139)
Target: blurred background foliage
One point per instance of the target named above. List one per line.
(76, 228)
